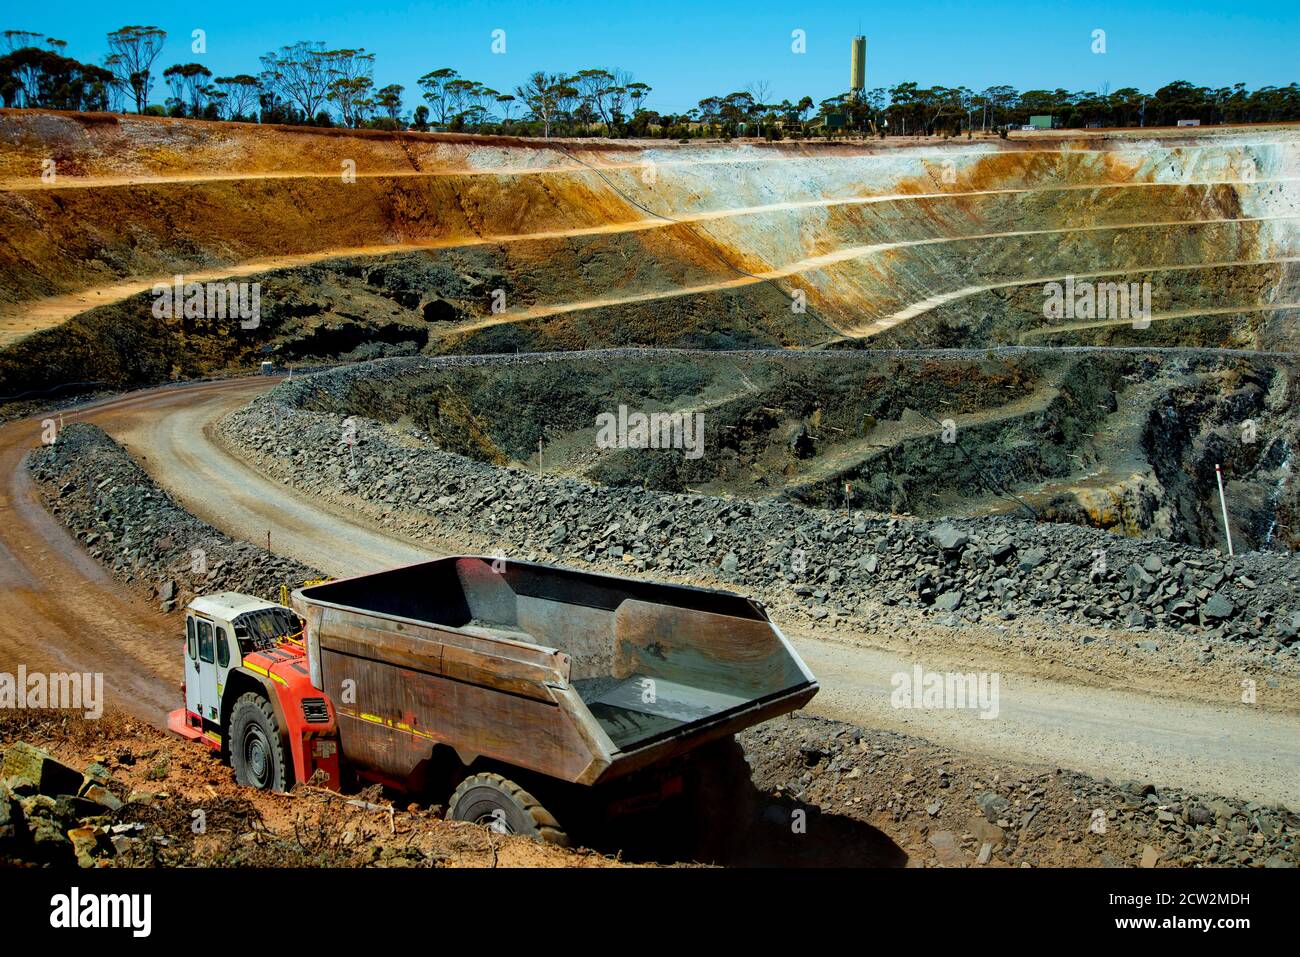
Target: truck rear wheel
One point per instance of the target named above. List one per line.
(498, 803)
(256, 748)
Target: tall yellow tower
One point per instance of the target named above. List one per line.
(858, 80)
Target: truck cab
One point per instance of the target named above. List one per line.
(211, 651)
(241, 646)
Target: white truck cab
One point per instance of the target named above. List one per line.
(219, 630)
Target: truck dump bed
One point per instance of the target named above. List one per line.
(574, 674)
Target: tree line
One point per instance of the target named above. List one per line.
(910, 109)
(309, 83)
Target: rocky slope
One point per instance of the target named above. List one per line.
(948, 810)
(1125, 441)
(833, 561)
(115, 793)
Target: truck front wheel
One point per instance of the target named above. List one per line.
(498, 803)
(256, 749)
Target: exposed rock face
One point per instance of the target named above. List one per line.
(395, 263)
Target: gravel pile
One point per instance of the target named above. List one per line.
(944, 809)
(832, 563)
(131, 526)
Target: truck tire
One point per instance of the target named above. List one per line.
(497, 802)
(256, 748)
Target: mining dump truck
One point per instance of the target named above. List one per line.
(527, 697)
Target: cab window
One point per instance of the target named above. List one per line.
(191, 643)
(223, 649)
(205, 641)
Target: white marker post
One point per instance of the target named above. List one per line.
(1223, 503)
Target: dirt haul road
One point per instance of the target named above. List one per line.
(62, 610)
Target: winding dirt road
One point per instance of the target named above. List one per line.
(61, 611)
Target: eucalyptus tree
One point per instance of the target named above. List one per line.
(132, 52)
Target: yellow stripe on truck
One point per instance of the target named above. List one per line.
(386, 722)
(258, 669)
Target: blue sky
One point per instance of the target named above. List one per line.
(687, 49)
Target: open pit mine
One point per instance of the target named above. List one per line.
(1020, 408)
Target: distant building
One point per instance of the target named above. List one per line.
(830, 121)
(1189, 122)
(858, 66)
